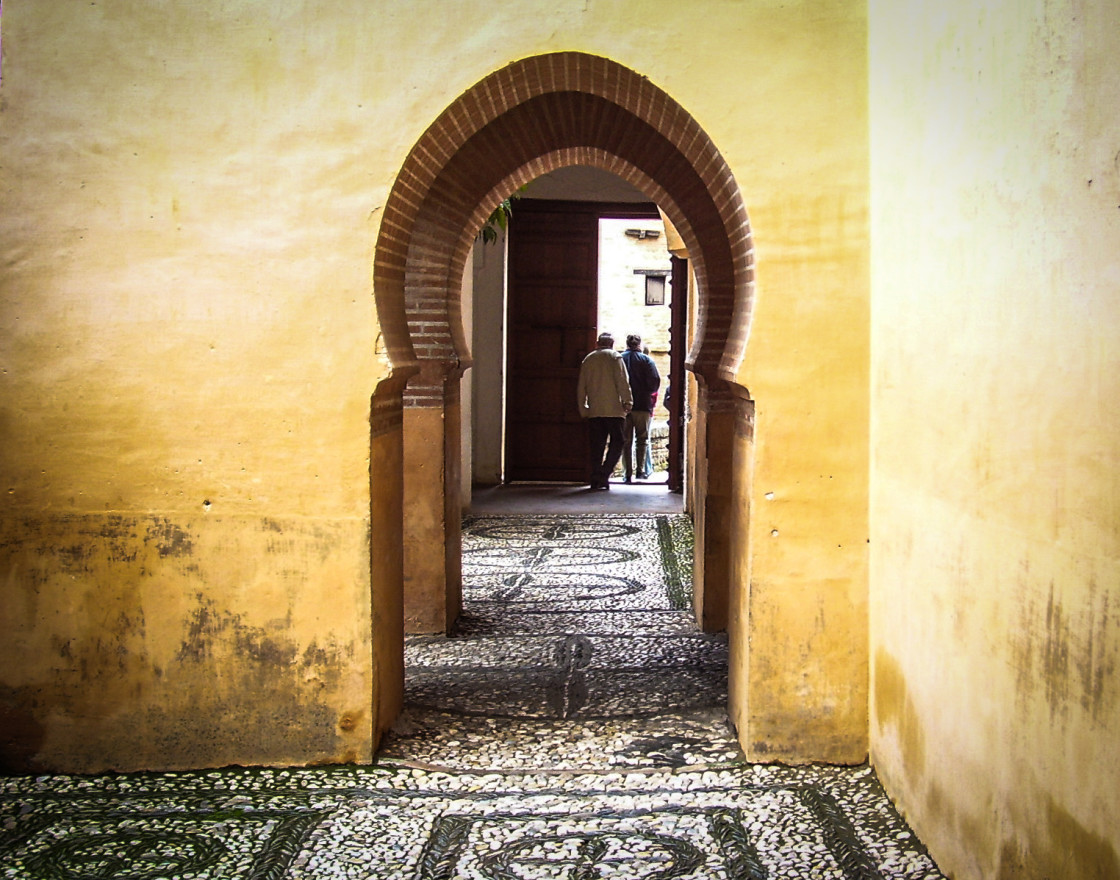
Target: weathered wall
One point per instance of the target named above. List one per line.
(996, 431)
(175, 640)
(191, 196)
(187, 351)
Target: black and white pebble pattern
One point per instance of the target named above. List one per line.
(572, 729)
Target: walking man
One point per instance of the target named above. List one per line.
(644, 382)
(603, 397)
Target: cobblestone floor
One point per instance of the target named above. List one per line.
(573, 728)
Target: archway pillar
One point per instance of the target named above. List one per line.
(386, 485)
(433, 572)
(713, 499)
(739, 642)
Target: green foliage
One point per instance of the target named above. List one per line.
(499, 219)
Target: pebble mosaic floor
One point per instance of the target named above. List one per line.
(571, 729)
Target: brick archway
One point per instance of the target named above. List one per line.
(531, 117)
(522, 121)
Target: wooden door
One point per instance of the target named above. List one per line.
(678, 379)
(553, 306)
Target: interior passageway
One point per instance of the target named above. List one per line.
(571, 622)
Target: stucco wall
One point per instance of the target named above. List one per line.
(187, 339)
(801, 151)
(996, 431)
(191, 197)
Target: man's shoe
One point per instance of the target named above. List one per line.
(627, 479)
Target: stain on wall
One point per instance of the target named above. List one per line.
(1067, 656)
(1060, 849)
(142, 643)
(896, 716)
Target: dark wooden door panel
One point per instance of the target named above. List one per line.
(553, 303)
(558, 255)
(552, 317)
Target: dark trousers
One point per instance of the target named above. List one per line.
(599, 431)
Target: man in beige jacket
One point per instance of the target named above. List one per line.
(604, 399)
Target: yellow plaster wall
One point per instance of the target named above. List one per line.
(995, 552)
(160, 640)
(191, 198)
(804, 606)
(187, 360)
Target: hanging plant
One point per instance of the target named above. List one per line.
(499, 219)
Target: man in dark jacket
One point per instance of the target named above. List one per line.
(644, 382)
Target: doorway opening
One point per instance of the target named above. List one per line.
(537, 115)
(636, 295)
(575, 268)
